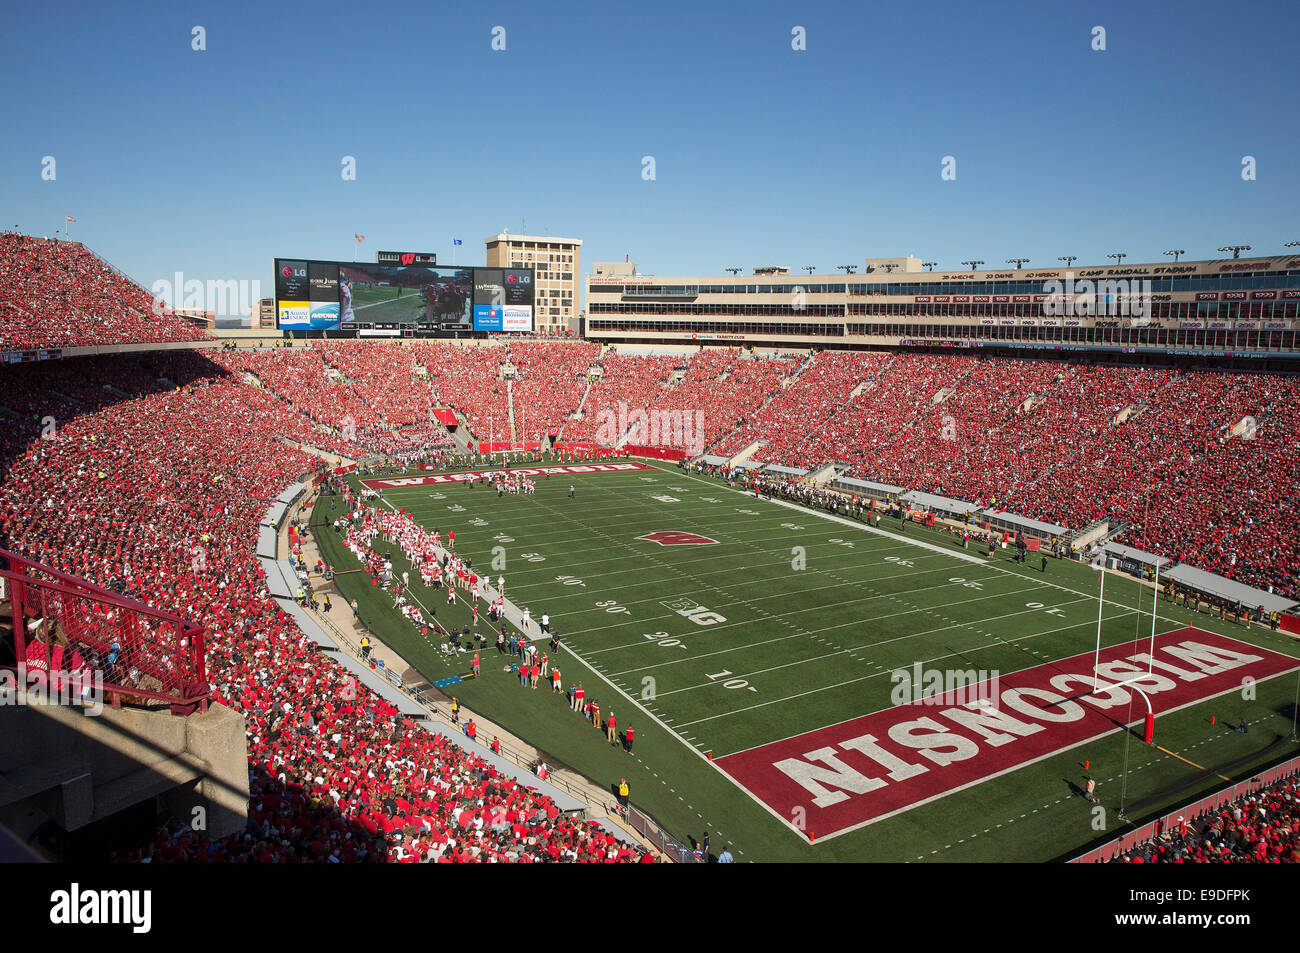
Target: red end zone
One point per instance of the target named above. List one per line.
(870, 768)
(433, 479)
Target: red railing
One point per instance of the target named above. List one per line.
(78, 631)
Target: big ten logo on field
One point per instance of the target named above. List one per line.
(690, 609)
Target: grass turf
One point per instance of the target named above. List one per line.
(799, 649)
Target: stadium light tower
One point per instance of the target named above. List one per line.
(1235, 249)
(1175, 252)
(848, 269)
(1018, 262)
(734, 271)
(929, 265)
(810, 268)
(972, 264)
(1291, 245)
(1119, 256)
(1068, 259)
(890, 266)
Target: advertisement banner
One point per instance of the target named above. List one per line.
(295, 315)
(324, 315)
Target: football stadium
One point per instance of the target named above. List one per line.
(514, 557)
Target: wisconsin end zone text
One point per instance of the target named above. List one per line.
(855, 773)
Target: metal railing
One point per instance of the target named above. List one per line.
(140, 653)
(649, 828)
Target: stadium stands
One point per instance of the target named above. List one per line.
(152, 471)
(57, 294)
(1261, 828)
(159, 494)
(1202, 465)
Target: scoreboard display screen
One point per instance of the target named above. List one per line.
(388, 299)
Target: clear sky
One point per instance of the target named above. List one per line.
(214, 162)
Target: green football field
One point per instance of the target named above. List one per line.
(789, 622)
(383, 304)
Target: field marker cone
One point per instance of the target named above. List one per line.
(1085, 764)
(1212, 717)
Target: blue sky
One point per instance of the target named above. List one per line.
(212, 163)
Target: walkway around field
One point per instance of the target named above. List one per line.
(349, 630)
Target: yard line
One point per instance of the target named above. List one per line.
(577, 568)
(584, 590)
(917, 542)
(869, 645)
(557, 544)
(852, 681)
(839, 625)
(768, 616)
(677, 593)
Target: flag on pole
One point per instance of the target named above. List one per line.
(456, 241)
(68, 218)
(360, 238)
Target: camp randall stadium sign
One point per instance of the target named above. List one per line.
(838, 779)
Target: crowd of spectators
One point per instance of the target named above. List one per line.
(142, 484)
(1201, 465)
(468, 379)
(799, 412)
(550, 379)
(1261, 828)
(628, 383)
(57, 294)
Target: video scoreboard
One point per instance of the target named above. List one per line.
(402, 293)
